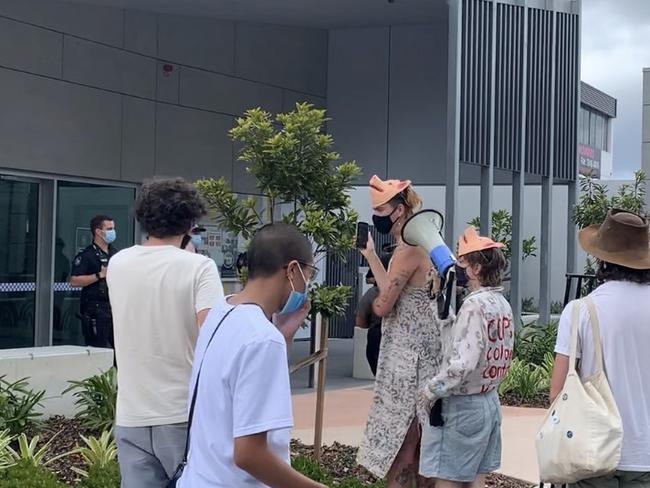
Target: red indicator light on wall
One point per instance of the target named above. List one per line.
(167, 69)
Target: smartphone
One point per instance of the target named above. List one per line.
(362, 235)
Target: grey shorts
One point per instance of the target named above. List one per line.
(469, 442)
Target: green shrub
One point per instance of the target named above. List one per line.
(525, 381)
(29, 451)
(24, 474)
(96, 397)
(19, 406)
(311, 469)
(97, 453)
(355, 483)
(533, 343)
(106, 476)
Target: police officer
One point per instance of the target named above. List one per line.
(89, 273)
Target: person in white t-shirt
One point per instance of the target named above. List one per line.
(160, 296)
(622, 302)
(242, 415)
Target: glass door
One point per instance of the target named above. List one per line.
(18, 269)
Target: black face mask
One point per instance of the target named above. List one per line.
(461, 277)
(383, 223)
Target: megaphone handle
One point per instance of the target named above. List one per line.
(446, 301)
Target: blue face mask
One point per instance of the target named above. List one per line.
(296, 299)
(110, 236)
(197, 240)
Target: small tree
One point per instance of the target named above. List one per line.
(502, 232)
(297, 172)
(595, 202)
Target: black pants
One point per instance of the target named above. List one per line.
(372, 347)
(97, 325)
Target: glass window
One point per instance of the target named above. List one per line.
(584, 125)
(77, 204)
(18, 238)
(605, 134)
(592, 129)
(599, 131)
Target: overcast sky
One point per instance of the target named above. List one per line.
(615, 49)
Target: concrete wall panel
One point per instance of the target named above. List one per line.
(226, 94)
(167, 82)
(58, 127)
(200, 42)
(102, 24)
(30, 48)
(138, 139)
(290, 57)
(141, 32)
(357, 96)
(109, 68)
(192, 143)
(290, 98)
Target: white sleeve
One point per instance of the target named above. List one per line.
(563, 342)
(261, 389)
(209, 289)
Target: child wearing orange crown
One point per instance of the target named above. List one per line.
(464, 444)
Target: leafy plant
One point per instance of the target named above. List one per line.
(6, 460)
(311, 469)
(556, 308)
(528, 305)
(19, 405)
(595, 202)
(97, 453)
(96, 397)
(29, 452)
(533, 343)
(526, 381)
(502, 232)
(24, 474)
(107, 476)
(300, 178)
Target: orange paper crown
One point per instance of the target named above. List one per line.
(383, 191)
(470, 242)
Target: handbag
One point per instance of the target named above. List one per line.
(581, 435)
(181, 467)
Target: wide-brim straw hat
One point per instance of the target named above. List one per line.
(621, 239)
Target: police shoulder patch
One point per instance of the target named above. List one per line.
(77, 261)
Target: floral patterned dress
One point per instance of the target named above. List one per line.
(410, 353)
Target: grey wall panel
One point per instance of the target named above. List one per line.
(200, 42)
(192, 143)
(141, 32)
(242, 181)
(103, 24)
(226, 94)
(357, 96)
(417, 132)
(646, 85)
(29, 48)
(646, 124)
(138, 139)
(167, 82)
(109, 68)
(291, 57)
(58, 127)
(290, 98)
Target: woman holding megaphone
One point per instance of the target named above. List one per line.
(411, 345)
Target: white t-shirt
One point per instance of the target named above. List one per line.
(156, 292)
(243, 390)
(623, 310)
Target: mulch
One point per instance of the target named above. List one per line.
(338, 459)
(540, 401)
(340, 462)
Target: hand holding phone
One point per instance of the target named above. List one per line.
(362, 235)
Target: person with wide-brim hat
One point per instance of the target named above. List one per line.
(621, 245)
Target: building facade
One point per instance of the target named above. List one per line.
(645, 131)
(595, 133)
(97, 97)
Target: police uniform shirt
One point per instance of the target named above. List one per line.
(89, 262)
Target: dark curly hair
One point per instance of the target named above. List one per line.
(616, 272)
(493, 265)
(168, 207)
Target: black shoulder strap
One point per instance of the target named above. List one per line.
(196, 387)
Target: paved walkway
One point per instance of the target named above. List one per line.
(346, 410)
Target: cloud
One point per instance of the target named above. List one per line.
(615, 49)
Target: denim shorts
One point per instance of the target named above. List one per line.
(469, 442)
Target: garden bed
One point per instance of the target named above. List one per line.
(540, 400)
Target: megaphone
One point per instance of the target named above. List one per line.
(424, 229)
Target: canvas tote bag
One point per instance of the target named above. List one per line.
(582, 432)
